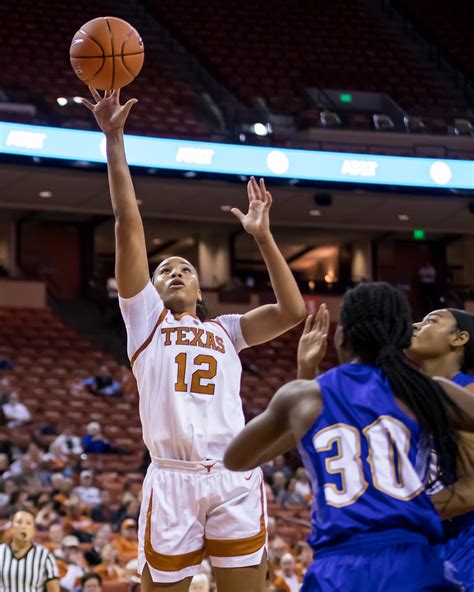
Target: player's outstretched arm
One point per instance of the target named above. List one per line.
(131, 262)
(313, 343)
(287, 418)
(267, 322)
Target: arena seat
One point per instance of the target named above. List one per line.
(449, 23)
(342, 45)
(38, 35)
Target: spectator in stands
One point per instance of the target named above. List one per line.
(55, 539)
(87, 492)
(126, 544)
(200, 583)
(104, 512)
(77, 521)
(108, 568)
(289, 495)
(72, 566)
(91, 582)
(94, 554)
(278, 483)
(278, 547)
(62, 488)
(279, 464)
(15, 412)
(302, 484)
(94, 442)
(131, 510)
(47, 515)
(289, 579)
(68, 443)
(304, 556)
(55, 460)
(102, 384)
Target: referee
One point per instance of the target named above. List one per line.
(24, 566)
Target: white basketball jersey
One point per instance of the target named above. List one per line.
(188, 374)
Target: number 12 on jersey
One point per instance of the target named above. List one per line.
(206, 370)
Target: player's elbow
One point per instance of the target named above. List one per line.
(293, 315)
(233, 460)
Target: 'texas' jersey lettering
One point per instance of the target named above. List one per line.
(193, 336)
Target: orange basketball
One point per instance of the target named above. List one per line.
(107, 53)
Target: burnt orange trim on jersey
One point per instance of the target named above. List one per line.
(147, 341)
(239, 547)
(163, 562)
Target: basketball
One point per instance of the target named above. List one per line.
(107, 53)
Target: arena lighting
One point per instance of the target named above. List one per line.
(315, 212)
(226, 208)
(260, 129)
(86, 147)
(78, 100)
(419, 234)
(62, 101)
(403, 217)
(45, 194)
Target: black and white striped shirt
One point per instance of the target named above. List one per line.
(29, 573)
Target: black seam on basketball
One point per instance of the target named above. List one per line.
(112, 46)
(127, 37)
(115, 55)
(95, 41)
(95, 74)
(102, 56)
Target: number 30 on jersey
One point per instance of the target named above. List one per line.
(392, 472)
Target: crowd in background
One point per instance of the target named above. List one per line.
(90, 529)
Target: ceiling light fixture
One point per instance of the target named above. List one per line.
(403, 217)
(226, 208)
(62, 101)
(45, 194)
(315, 212)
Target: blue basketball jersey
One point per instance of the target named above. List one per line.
(458, 546)
(463, 379)
(367, 461)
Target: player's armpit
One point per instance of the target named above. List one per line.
(456, 499)
(289, 415)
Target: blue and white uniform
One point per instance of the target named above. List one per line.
(458, 545)
(374, 527)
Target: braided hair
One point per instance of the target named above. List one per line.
(377, 320)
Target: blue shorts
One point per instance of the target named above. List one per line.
(458, 549)
(391, 561)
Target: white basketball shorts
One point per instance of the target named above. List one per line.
(193, 509)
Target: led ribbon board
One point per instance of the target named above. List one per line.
(232, 159)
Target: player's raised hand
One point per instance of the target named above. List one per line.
(257, 220)
(313, 343)
(109, 113)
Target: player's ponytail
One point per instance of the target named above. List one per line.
(376, 318)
